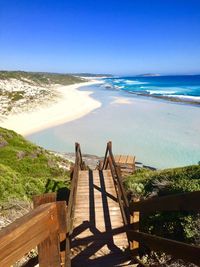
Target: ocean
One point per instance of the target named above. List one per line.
(185, 87)
(160, 133)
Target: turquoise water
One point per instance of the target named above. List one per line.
(183, 87)
(160, 133)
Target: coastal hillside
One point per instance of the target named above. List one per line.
(27, 169)
(23, 91)
(40, 78)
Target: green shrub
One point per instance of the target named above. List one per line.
(183, 226)
(26, 169)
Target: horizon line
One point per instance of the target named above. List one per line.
(157, 74)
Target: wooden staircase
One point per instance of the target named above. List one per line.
(97, 215)
(97, 227)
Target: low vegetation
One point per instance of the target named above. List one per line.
(41, 78)
(182, 226)
(26, 169)
(147, 183)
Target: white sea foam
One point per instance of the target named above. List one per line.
(118, 80)
(134, 82)
(160, 92)
(186, 97)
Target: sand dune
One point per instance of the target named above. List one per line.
(72, 104)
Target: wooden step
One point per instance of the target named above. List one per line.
(97, 213)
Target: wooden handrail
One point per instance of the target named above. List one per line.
(109, 160)
(178, 202)
(178, 249)
(108, 147)
(78, 165)
(27, 232)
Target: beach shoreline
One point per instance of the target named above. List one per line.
(173, 99)
(159, 133)
(177, 89)
(72, 104)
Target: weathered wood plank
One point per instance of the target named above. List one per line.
(126, 163)
(134, 219)
(43, 199)
(130, 160)
(122, 159)
(117, 158)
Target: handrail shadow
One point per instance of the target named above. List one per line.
(97, 240)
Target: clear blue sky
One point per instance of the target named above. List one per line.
(100, 36)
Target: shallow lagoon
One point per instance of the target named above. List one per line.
(160, 133)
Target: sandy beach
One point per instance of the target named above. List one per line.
(159, 133)
(72, 104)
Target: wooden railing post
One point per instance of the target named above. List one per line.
(134, 220)
(109, 163)
(67, 252)
(43, 199)
(31, 230)
(78, 165)
(49, 254)
(119, 173)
